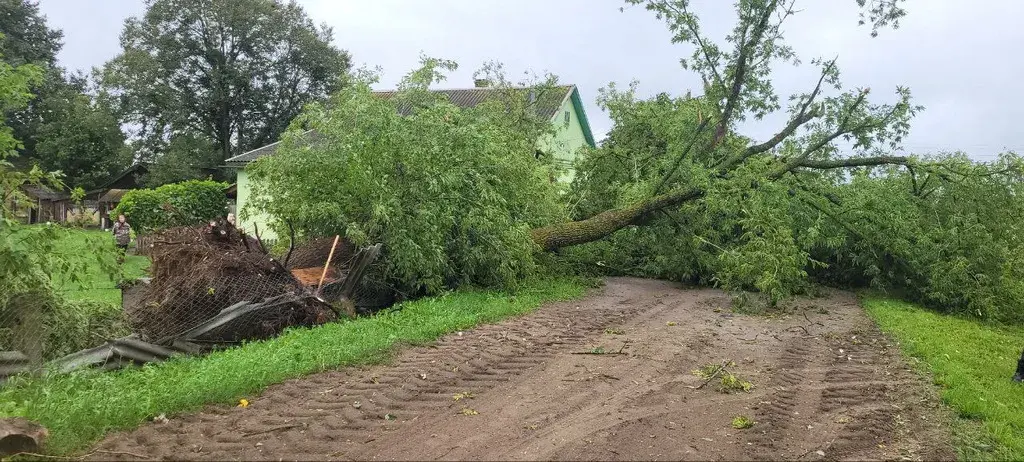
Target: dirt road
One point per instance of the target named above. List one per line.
(826, 385)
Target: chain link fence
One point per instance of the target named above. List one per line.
(208, 287)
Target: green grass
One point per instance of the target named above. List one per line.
(95, 284)
(972, 363)
(80, 408)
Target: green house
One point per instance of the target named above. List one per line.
(564, 108)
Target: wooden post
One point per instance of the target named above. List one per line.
(327, 264)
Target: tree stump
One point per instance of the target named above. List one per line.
(18, 435)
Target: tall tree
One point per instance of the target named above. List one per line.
(227, 73)
(62, 128)
(80, 137)
(28, 40)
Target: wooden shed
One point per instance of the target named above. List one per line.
(47, 204)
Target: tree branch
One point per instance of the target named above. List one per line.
(682, 156)
(853, 162)
(804, 115)
(740, 75)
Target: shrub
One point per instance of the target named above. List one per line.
(176, 204)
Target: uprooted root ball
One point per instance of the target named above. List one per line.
(199, 271)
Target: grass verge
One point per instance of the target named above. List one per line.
(80, 408)
(95, 285)
(972, 363)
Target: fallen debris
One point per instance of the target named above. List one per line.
(197, 272)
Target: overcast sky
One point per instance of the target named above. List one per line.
(961, 62)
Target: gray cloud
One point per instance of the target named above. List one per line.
(960, 61)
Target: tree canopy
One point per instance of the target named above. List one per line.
(62, 128)
(200, 81)
(451, 193)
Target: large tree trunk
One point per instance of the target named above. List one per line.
(571, 233)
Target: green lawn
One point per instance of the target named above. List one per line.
(972, 363)
(95, 285)
(80, 408)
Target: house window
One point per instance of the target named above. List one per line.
(566, 117)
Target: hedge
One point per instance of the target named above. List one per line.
(176, 204)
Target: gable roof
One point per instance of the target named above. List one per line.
(547, 106)
(43, 192)
(113, 195)
(246, 157)
(137, 169)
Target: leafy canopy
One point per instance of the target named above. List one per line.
(203, 80)
(31, 258)
(62, 128)
(451, 193)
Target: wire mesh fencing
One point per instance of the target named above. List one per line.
(208, 287)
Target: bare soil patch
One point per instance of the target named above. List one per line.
(827, 385)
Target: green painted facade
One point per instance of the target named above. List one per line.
(572, 132)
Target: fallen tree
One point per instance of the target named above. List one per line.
(461, 196)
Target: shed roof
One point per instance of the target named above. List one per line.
(43, 192)
(113, 195)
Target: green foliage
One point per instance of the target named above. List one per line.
(80, 408)
(72, 286)
(972, 364)
(451, 193)
(945, 231)
(742, 422)
(63, 128)
(773, 216)
(30, 257)
(178, 204)
(186, 157)
(28, 40)
(226, 76)
(949, 238)
(81, 139)
(75, 325)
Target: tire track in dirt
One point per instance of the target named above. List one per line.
(833, 389)
(349, 405)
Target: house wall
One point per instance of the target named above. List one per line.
(260, 220)
(567, 140)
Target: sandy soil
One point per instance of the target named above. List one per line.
(827, 385)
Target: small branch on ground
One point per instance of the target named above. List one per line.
(716, 373)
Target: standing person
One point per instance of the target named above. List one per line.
(122, 236)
